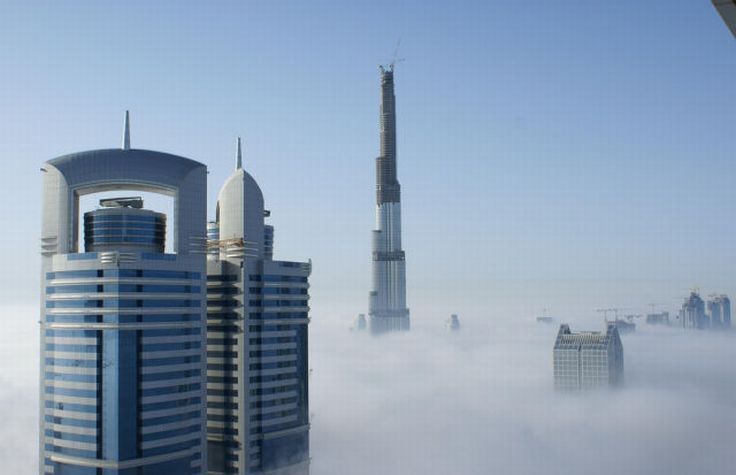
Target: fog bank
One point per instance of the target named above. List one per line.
(477, 401)
(481, 401)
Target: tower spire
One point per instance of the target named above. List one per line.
(126, 132)
(239, 159)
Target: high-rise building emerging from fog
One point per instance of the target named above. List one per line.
(588, 359)
(719, 310)
(726, 311)
(662, 318)
(257, 366)
(122, 321)
(692, 313)
(387, 301)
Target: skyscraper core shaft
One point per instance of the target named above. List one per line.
(387, 306)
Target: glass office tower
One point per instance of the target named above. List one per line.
(122, 327)
(692, 313)
(719, 309)
(257, 343)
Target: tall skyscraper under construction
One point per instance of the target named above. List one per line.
(387, 305)
(257, 366)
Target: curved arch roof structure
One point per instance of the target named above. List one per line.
(70, 176)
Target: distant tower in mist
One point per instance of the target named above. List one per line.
(453, 323)
(726, 311)
(387, 301)
(361, 323)
(719, 309)
(692, 314)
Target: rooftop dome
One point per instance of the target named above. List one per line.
(240, 209)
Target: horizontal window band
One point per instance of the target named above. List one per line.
(123, 326)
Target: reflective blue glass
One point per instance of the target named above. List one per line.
(170, 361)
(168, 449)
(170, 390)
(66, 421)
(81, 378)
(171, 404)
(72, 363)
(70, 406)
(196, 427)
(170, 375)
(168, 419)
(73, 274)
(86, 393)
(73, 288)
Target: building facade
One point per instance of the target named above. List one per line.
(587, 360)
(725, 311)
(662, 318)
(692, 313)
(387, 299)
(257, 342)
(122, 322)
(361, 324)
(453, 323)
(719, 311)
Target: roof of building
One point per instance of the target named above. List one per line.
(566, 339)
(131, 158)
(126, 164)
(240, 178)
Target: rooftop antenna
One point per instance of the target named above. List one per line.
(239, 159)
(126, 132)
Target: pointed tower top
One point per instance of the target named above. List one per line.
(126, 132)
(239, 159)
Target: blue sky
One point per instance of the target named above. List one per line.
(567, 154)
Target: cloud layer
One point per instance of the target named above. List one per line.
(19, 359)
(481, 401)
(477, 401)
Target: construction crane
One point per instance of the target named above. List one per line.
(606, 311)
(623, 326)
(394, 59)
(213, 244)
(234, 247)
